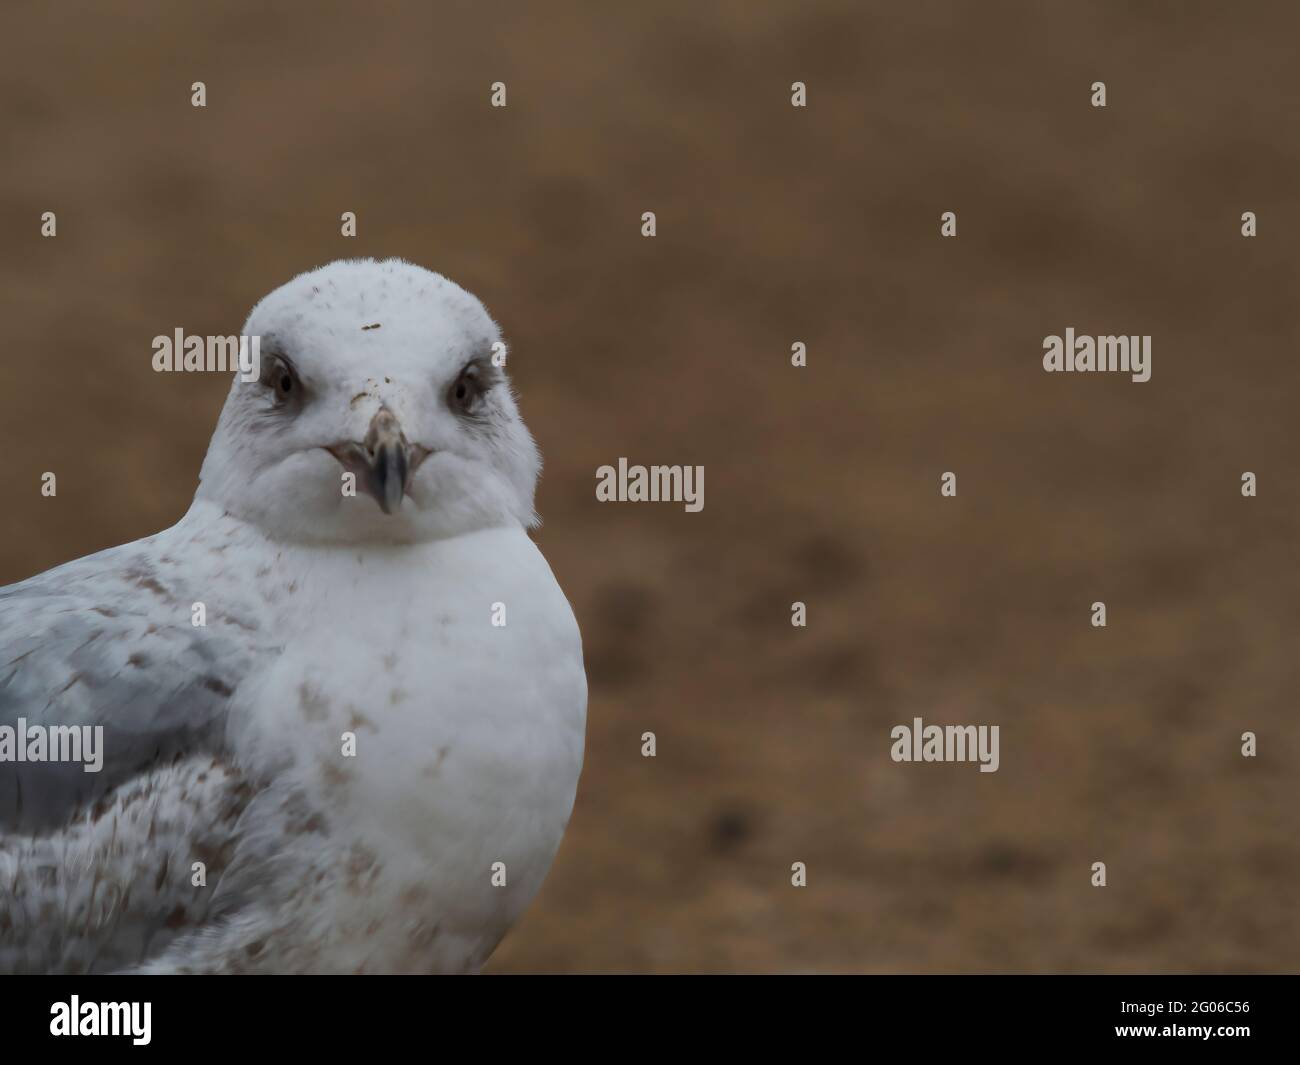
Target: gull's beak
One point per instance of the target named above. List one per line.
(383, 463)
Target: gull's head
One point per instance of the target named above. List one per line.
(382, 413)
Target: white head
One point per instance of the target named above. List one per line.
(383, 370)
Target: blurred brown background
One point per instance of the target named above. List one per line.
(822, 484)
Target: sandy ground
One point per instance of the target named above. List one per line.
(776, 225)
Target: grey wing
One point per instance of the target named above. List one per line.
(106, 641)
(98, 869)
(137, 872)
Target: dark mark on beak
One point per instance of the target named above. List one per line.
(383, 462)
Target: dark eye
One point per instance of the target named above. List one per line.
(280, 378)
(466, 391)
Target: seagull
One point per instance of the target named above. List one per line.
(342, 702)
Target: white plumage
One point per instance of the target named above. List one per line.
(328, 616)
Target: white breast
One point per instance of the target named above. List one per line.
(467, 739)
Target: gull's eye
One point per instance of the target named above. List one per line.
(280, 378)
(466, 392)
